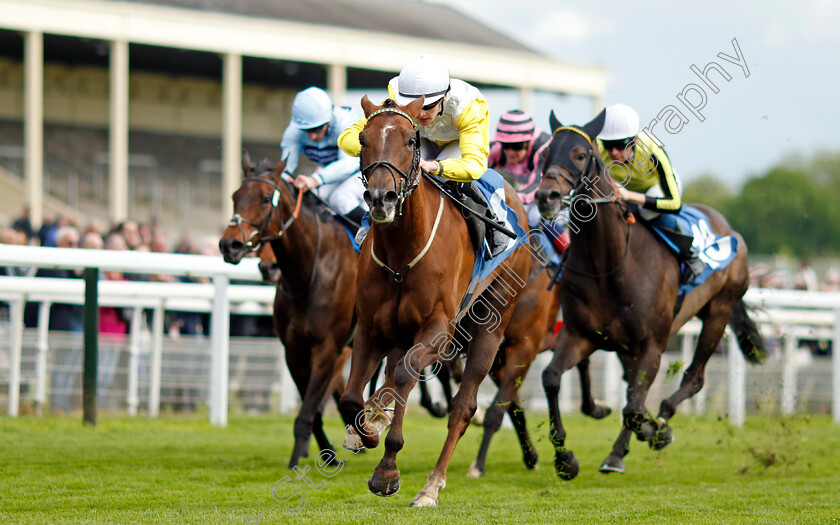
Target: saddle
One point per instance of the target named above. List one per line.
(479, 217)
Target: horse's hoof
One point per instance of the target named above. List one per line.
(530, 459)
(598, 411)
(474, 472)
(424, 500)
(566, 465)
(612, 464)
(646, 432)
(382, 486)
(437, 410)
(661, 439)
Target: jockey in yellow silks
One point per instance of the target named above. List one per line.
(454, 126)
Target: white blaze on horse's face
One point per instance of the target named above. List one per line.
(383, 184)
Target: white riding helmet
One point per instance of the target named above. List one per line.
(425, 75)
(312, 108)
(622, 122)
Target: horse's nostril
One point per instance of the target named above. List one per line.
(390, 197)
(236, 245)
(554, 195)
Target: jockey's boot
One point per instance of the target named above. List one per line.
(356, 214)
(692, 266)
(495, 239)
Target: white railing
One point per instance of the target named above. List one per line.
(794, 314)
(159, 296)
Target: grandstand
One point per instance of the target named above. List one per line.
(173, 89)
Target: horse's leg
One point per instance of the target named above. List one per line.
(588, 405)
(433, 408)
(300, 368)
(518, 356)
(336, 384)
(372, 385)
(641, 376)
(385, 480)
(323, 362)
(483, 350)
(715, 317)
(570, 349)
(445, 378)
(615, 461)
(476, 470)
(517, 416)
(367, 356)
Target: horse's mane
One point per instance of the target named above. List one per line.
(390, 103)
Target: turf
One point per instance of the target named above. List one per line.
(183, 470)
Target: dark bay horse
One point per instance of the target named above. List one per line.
(414, 271)
(620, 288)
(314, 312)
(529, 332)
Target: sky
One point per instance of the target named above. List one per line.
(788, 104)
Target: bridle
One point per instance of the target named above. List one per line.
(408, 181)
(250, 244)
(577, 178)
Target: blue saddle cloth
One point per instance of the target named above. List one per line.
(352, 235)
(492, 188)
(715, 251)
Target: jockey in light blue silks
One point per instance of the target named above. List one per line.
(313, 131)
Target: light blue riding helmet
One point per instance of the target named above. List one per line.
(312, 108)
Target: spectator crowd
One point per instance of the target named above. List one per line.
(129, 236)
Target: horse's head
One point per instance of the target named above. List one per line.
(269, 269)
(256, 204)
(390, 156)
(572, 156)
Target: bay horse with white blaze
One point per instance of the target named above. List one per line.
(314, 311)
(620, 288)
(414, 270)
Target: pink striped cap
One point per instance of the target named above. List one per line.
(515, 126)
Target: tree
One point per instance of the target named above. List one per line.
(708, 190)
(785, 211)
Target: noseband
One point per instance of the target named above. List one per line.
(237, 219)
(408, 181)
(577, 177)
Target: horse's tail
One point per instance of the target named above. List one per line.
(749, 338)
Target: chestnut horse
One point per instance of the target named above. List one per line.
(620, 286)
(414, 271)
(314, 306)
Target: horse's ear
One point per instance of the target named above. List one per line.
(553, 122)
(278, 169)
(367, 106)
(414, 107)
(246, 162)
(596, 125)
